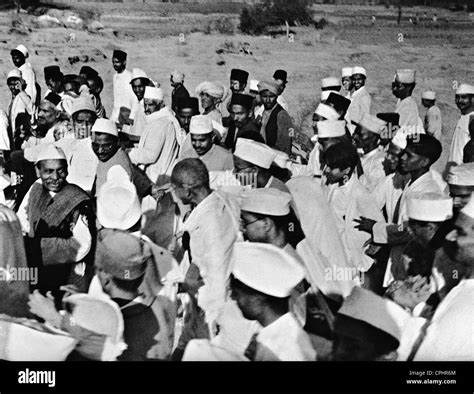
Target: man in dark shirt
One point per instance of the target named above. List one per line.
(241, 125)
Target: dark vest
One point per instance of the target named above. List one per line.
(271, 129)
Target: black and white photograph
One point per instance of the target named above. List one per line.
(189, 188)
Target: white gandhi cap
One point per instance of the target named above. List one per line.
(105, 126)
(465, 88)
(266, 201)
(359, 70)
(138, 73)
(381, 313)
(153, 93)
(200, 124)
(254, 152)
(428, 95)
(118, 206)
(50, 152)
(327, 112)
(430, 207)
(21, 48)
(346, 72)
(372, 123)
(331, 128)
(405, 76)
(461, 175)
(330, 81)
(266, 268)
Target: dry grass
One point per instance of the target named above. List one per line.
(439, 54)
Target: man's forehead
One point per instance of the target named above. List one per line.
(53, 164)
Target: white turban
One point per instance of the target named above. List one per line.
(213, 89)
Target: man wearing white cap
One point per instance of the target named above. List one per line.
(276, 122)
(158, 146)
(367, 138)
(346, 81)
(75, 143)
(428, 216)
(211, 95)
(19, 56)
(330, 83)
(106, 146)
(402, 88)
(368, 328)
(136, 122)
(432, 123)
(460, 180)
(252, 161)
(118, 207)
(57, 219)
(213, 156)
(448, 335)
(20, 102)
(360, 98)
(465, 103)
(96, 324)
(330, 132)
(123, 93)
(263, 278)
(179, 91)
(264, 217)
(322, 113)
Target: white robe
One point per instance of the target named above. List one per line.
(450, 335)
(433, 124)
(29, 76)
(20, 103)
(213, 227)
(158, 147)
(408, 111)
(373, 168)
(322, 250)
(4, 137)
(286, 339)
(461, 137)
(360, 104)
(123, 93)
(350, 202)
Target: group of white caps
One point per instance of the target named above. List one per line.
(406, 76)
(267, 268)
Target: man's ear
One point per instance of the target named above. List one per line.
(346, 171)
(268, 224)
(433, 227)
(37, 171)
(392, 356)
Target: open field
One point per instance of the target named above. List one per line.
(441, 53)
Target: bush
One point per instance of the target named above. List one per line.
(256, 19)
(225, 25)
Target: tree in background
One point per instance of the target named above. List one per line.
(256, 19)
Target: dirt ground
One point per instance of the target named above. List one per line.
(442, 52)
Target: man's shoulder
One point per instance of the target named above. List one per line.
(221, 152)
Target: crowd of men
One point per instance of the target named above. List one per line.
(207, 227)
